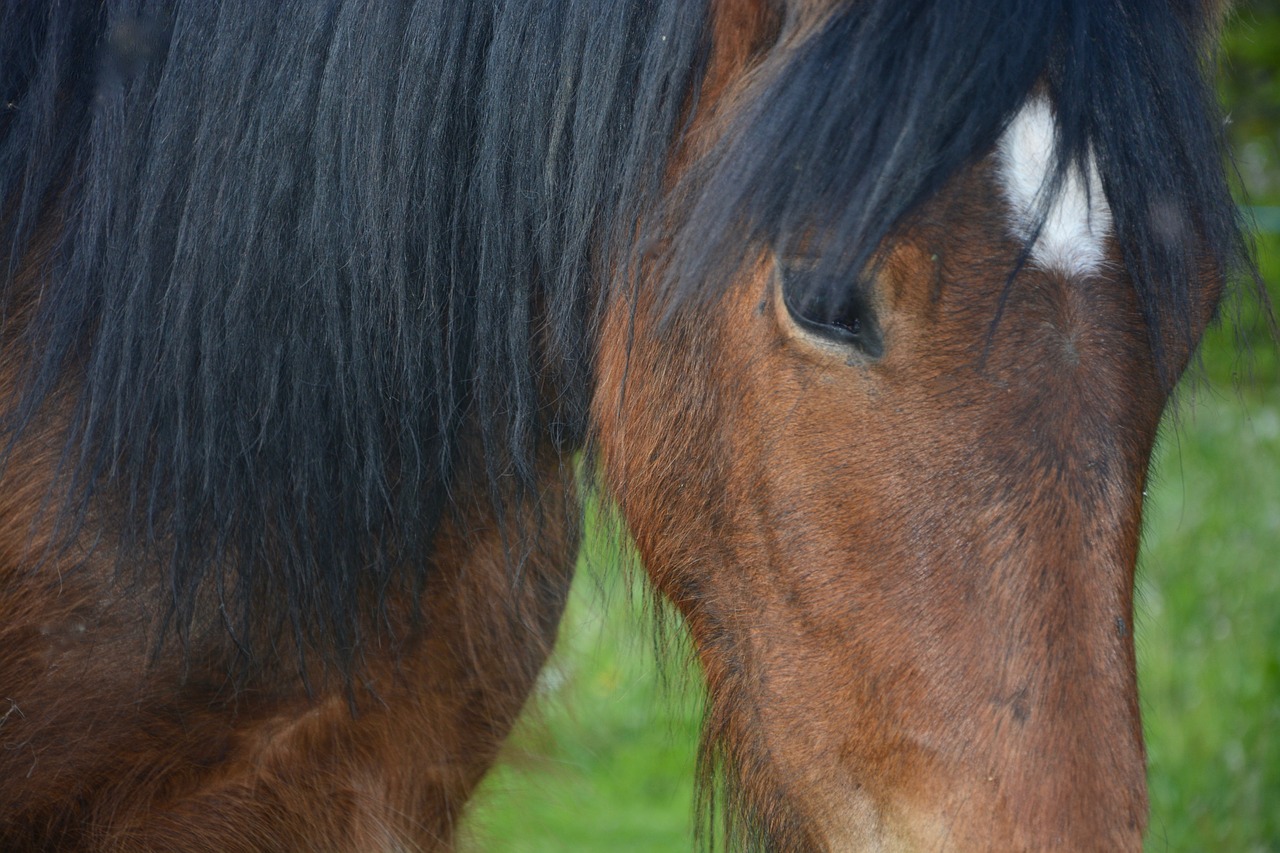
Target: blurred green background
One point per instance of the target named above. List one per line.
(604, 759)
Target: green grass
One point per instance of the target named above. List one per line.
(1208, 604)
(604, 761)
(1209, 630)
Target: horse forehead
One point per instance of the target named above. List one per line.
(1073, 229)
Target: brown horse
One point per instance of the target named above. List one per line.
(866, 312)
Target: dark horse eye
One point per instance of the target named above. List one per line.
(839, 314)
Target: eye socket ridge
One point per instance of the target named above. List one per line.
(851, 323)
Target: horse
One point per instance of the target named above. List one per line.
(862, 314)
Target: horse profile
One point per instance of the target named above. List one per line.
(863, 314)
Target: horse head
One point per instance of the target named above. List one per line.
(891, 470)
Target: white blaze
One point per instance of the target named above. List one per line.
(1072, 239)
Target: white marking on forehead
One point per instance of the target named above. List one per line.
(1072, 239)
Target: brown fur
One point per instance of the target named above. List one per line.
(938, 662)
(111, 746)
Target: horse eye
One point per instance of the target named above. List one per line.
(840, 314)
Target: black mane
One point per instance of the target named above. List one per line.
(302, 249)
(303, 246)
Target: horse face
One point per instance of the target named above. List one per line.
(906, 555)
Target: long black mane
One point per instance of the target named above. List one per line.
(308, 250)
(303, 248)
